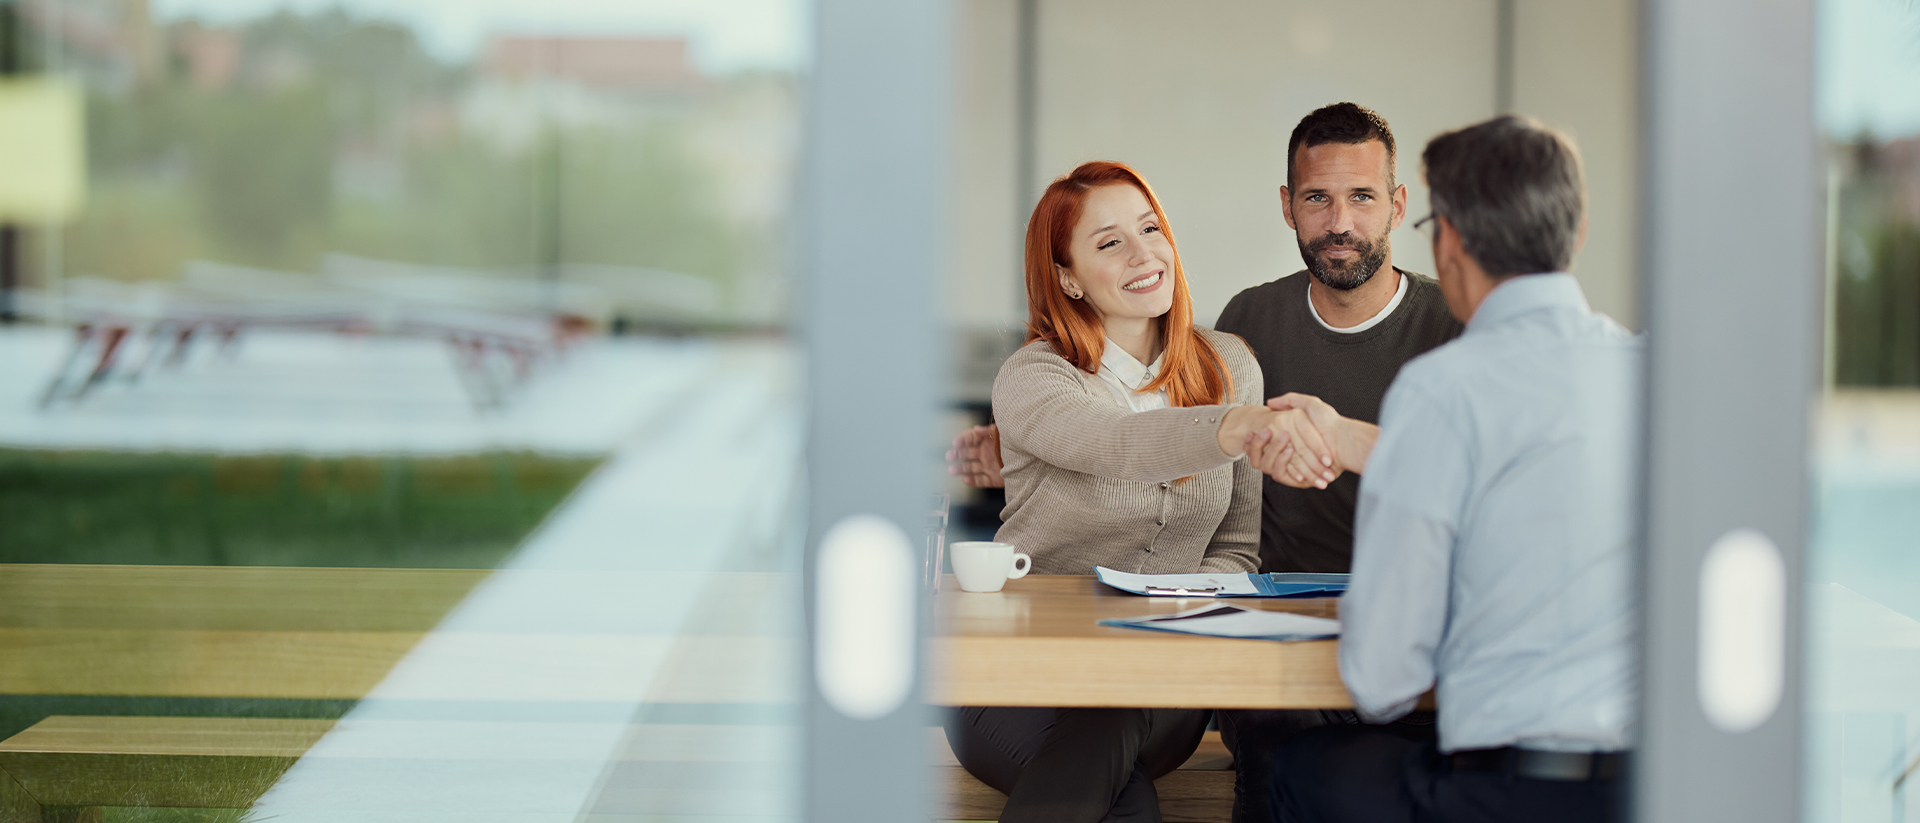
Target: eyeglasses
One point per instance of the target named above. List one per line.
(1424, 223)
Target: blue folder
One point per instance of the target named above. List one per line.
(1277, 584)
(1224, 620)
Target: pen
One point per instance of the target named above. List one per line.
(1183, 591)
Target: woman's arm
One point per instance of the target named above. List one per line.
(1235, 546)
(1043, 407)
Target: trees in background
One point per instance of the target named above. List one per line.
(278, 142)
(1876, 311)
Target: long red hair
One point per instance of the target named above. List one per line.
(1193, 373)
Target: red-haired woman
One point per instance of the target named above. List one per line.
(1121, 425)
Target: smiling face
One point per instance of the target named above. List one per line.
(1342, 207)
(1122, 262)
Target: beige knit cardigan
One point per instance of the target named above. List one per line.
(1091, 483)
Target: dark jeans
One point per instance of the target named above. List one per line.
(1068, 765)
(1254, 736)
(1363, 774)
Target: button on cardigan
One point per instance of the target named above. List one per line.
(1091, 483)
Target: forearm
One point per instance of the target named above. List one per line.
(1394, 613)
(1356, 439)
(1148, 447)
(1045, 409)
(1241, 421)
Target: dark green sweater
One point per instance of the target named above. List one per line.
(1310, 530)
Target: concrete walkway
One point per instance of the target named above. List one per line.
(631, 660)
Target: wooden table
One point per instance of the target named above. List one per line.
(1036, 643)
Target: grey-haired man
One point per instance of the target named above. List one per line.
(1493, 542)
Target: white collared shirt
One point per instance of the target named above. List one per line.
(1493, 548)
(1125, 377)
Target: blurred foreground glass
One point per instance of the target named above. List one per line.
(1863, 743)
(404, 428)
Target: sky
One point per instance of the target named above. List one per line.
(1869, 68)
(727, 35)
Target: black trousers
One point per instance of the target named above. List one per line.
(1074, 765)
(1367, 775)
(1254, 737)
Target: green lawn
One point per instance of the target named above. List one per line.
(280, 510)
(276, 510)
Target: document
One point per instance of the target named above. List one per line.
(1278, 584)
(1225, 620)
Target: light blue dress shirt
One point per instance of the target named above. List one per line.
(1493, 547)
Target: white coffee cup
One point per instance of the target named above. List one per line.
(985, 566)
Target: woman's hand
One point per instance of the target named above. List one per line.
(1283, 444)
(1350, 443)
(1305, 457)
(975, 458)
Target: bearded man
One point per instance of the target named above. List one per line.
(1341, 329)
(1339, 332)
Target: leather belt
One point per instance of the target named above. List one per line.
(1538, 765)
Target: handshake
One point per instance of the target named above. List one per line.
(1296, 439)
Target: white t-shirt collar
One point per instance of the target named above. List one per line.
(1385, 311)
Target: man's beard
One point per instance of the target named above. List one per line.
(1344, 275)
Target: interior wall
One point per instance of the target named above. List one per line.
(1577, 69)
(1203, 103)
(984, 286)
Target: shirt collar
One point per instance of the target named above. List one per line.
(1120, 364)
(1525, 293)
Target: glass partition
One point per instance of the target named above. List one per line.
(1863, 734)
(404, 426)
(407, 424)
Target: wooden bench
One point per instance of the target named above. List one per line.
(65, 768)
(1200, 791)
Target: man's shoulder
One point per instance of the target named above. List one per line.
(1222, 340)
(1441, 365)
(1445, 367)
(1458, 365)
(1428, 303)
(1417, 281)
(1264, 300)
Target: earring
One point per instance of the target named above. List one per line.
(1075, 294)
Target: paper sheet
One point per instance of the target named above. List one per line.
(1226, 585)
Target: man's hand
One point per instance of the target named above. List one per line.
(1293, 451)
(975, 458)
(1351, 441)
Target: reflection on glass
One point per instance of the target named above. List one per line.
(1863, 746)
(401, 429)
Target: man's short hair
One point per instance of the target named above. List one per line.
(1347, 123)
(1513, 189)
